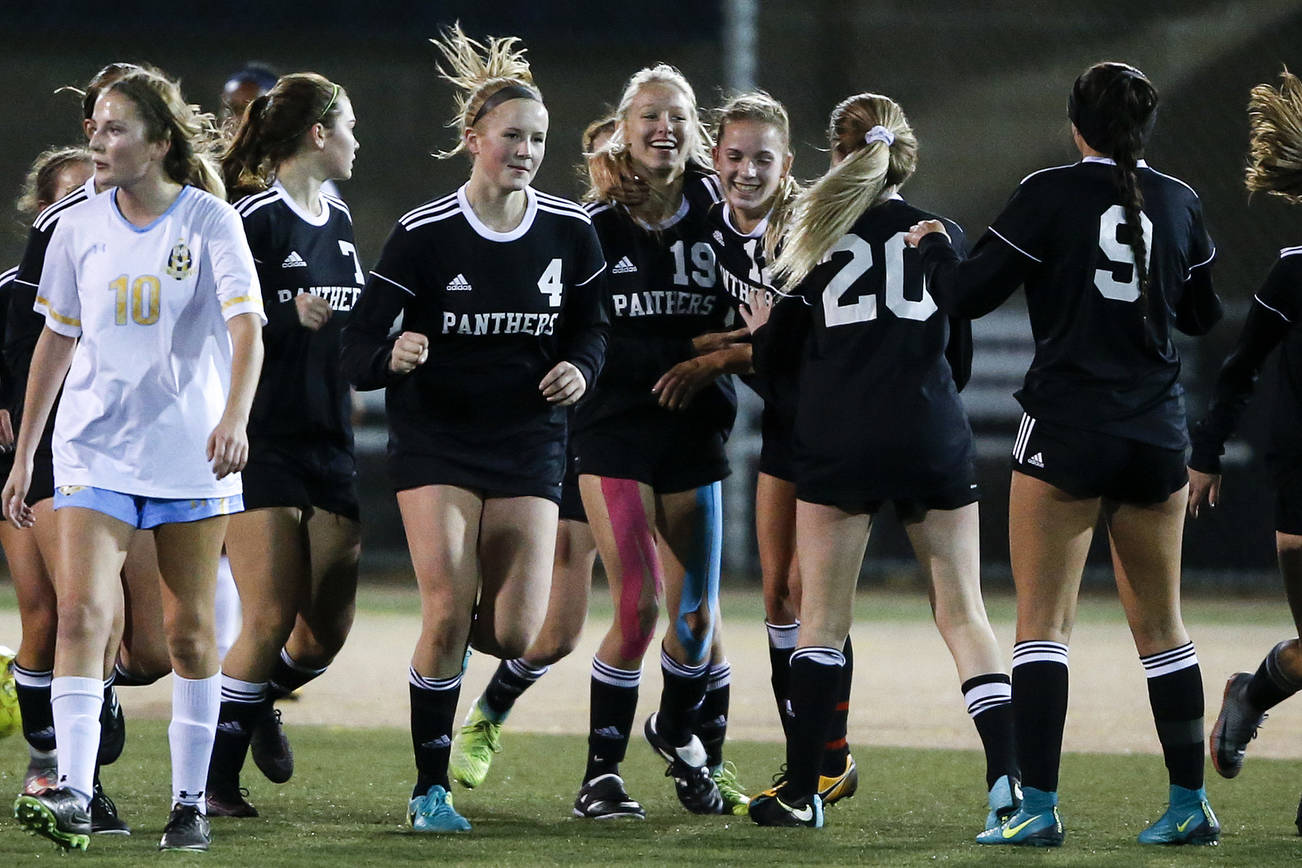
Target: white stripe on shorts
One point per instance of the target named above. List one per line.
(1023, 435)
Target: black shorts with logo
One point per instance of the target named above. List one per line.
(1093, 464)
(668, 451)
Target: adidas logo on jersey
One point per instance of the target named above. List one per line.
(718, 236)
(1036, 460)
(624, 266)
(293, 260)
(459, 284)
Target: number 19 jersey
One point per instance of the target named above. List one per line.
(151, 372)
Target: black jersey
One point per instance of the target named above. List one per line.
(662, 291)
(1101, 362)
(500, 309)
(302, 393)
(1270, 322)
(6, 376)
(878, 414)
(23, 325)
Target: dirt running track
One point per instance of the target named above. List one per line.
(905, 693)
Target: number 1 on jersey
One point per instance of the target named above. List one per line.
(550, 283)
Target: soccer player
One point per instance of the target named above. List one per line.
(295, 548)
(865, 338)
(499, 288)
(1112, 254)
(650, 460)
(153, 312)
(1275, 118)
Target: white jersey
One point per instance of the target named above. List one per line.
(151, 371)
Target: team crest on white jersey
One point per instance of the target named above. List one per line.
(624, 266)
(180, 262)
(459, 284)
(293, 260)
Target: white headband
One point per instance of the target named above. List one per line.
(879, 133)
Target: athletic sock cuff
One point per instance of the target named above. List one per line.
(985, 692)
(607, 674)
(1281, 679)
(720, 675)
(235, 690)
(299, 667)
(783, 636)
(524, 671)
(423, 683)
(70, 685)
(819, 656)
(1172, 660)
(32, 677)
(1039, 651)
(682, 670)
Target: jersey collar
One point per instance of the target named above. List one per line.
(320, 220)
(683, 208)
(1108, 161)
(757, 232)
(530, 211)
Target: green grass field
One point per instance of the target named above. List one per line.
(346, 803)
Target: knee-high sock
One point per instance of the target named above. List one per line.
(1270, 685)
(837, 747)
(814, 675)
(33, 690)
(195, 705)
(512, 678)
(989, 700)
(75, 703)
(782, 641)
(712, 723)
(680, 701)
(1175, 692)
(240, 703)
(287, 675)
(1039, 710)
(610, 717)
(433, 707)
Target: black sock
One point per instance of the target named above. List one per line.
(712, 726)
(112, 726)
(512, 678)
(1271, 685)
(433, 709)
(235, 722)
(815, 673)
(1175, 692)
(837, 748)
(33, 690)
(680, 701)
(1039, 710)
(124, 677)
(782, 641)
(610, 717)
(989, 700)
(287, 675)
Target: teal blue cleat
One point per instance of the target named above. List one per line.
(433, 812)
(1004, 798)
(1035, 824)
(1188, 820)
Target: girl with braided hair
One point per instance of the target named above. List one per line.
(499, 286)
(1112, 255)
(1274, 166)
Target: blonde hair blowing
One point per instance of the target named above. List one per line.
(478, 71)
(613, 162)
(1275, 139)
(193, 135)
(868, 174)
(760, 107)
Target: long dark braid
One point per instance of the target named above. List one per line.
(1113, 106)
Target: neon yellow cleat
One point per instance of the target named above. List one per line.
(473, 748)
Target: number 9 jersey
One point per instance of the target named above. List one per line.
(151, 372)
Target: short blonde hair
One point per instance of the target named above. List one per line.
(1275, 139)
(869, 173)
(478, 71)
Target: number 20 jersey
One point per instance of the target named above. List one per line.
(1094, 367)
(151, 370)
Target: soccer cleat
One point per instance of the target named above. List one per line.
(697, 791)
(104, 819)
(1236, 725)
(270, 748)
(11, 717)
(1027, 827)
(1188, 820)
(473, 749)
(834, 788)
(229, 802)
(1003, 799)
(112, 729)
(56, 814)
(768, 810)
(433, 812)
(42, 774)
(604, 798)
(186, 829)
(735, 799)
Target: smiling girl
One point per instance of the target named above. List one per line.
(153, 312)
(499, 286)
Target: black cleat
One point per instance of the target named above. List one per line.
(270, 748)
(186, 829)
(112, 729)
(687, 766)
(104, 819)
(771, 810)
(229, 802)
(56, 814)
(604, 798)
(1235, 726)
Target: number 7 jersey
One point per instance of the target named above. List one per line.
(151, 371)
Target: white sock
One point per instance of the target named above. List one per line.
(227, 608)
(76, 703)
(195, 703)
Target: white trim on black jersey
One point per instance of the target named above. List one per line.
(683, 207)
(431, 212)
(484, 231)
(317, 220)
(595, 208)
(52, 212)
(713, 186)
(1289, 251)
(564, 207)
(394, 282)
(995, 232)
(338, 203)
(757, 232)
(1255, 298)
(248, 204)
(8, 276)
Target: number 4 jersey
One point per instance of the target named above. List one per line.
(151, 371)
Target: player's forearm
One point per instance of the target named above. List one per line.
(246, 366)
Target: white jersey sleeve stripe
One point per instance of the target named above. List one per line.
(395, 283)
(1279, 313)
(995, 233)
(594, 276)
